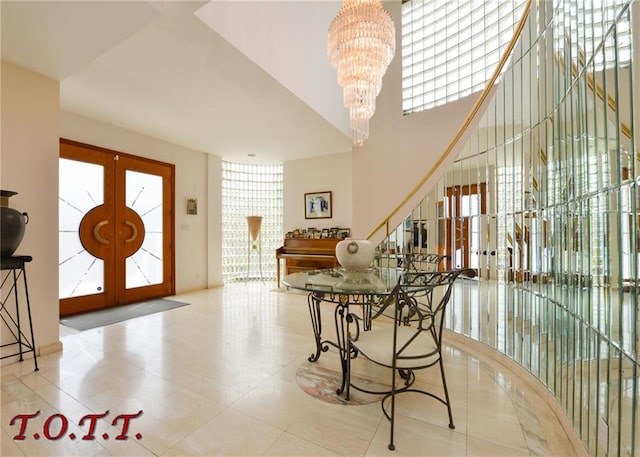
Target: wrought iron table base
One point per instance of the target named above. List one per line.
(342, 319)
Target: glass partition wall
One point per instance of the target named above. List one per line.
(544, 202)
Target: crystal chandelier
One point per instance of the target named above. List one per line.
(361, 44)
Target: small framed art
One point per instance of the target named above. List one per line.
(317, 205)
(192, 205)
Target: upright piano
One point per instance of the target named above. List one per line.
(301, 254)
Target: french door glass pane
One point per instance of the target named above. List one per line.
(144, 196)
(81, 189)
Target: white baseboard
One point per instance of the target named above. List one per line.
(50, 348)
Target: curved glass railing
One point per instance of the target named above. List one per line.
(544, 203)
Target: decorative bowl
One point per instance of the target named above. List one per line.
(355, 254)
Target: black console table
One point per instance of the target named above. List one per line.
(12, 268)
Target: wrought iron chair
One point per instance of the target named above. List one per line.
(418, 261)
(414, 341)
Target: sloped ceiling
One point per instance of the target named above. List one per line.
(227, 78)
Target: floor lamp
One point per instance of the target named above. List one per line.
(254, 241)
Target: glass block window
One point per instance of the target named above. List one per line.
(608, 37)
(450, 49)
(250, 190)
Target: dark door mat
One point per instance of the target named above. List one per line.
(108, 316)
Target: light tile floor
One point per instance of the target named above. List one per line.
(218, 378)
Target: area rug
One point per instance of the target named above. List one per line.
(321, 383)
(108, 316)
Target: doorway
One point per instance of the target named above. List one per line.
(466, 205)
(116, 228)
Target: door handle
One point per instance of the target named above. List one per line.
(134, 228)
(96, 232)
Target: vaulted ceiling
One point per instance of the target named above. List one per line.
(230, 78)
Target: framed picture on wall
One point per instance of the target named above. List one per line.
(317, 205)
(192, 205)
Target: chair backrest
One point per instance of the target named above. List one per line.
(431, 292)
(418, 261)
(419, 300)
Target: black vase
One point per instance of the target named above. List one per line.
(12, 225)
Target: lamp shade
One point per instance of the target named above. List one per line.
(254, 222)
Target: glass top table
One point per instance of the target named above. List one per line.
(344, 282)
(356, 296)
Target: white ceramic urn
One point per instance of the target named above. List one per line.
(355, 253)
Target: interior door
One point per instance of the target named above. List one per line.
(466, 205)
(116, 228)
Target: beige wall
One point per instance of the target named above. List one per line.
(214, 226)
(327, 173)
(191, 180)
(400, 149)
(29, 166)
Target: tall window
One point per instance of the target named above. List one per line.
(450, 49)
(600, 48)
(250, 190)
